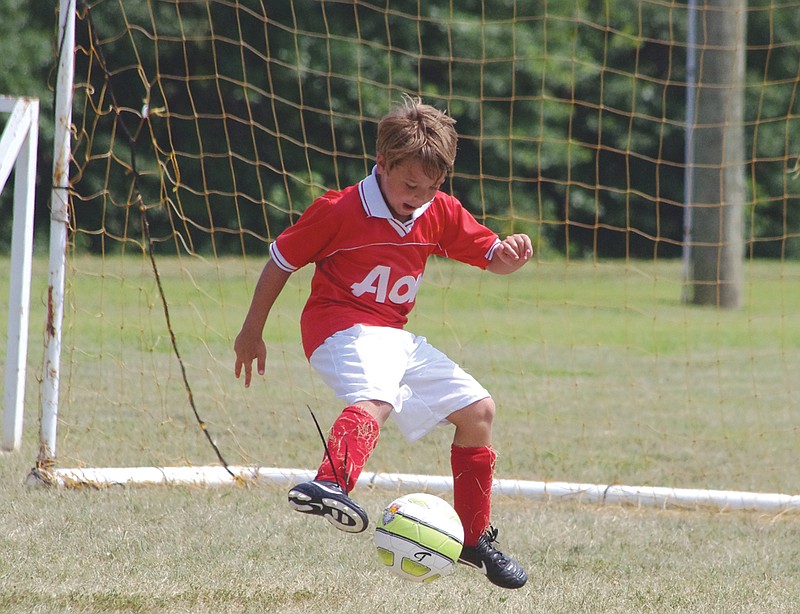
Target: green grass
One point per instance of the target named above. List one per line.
(600, 372)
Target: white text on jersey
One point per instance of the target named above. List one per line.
(376, 282)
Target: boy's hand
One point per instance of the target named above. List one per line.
(511, 254)
(249, 344)
(249, 347)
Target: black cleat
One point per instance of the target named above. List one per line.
(498, 568)
(327, 499)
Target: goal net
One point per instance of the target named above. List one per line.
(201, 130)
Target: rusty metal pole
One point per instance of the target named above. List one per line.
(59, 223)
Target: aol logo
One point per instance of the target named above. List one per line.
(404, 290)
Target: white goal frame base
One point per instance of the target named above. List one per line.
(642, 496)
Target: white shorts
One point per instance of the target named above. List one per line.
(375, 363)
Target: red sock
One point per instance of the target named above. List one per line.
(350, 442)
(473, 471)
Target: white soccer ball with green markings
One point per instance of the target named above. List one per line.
(419, 537)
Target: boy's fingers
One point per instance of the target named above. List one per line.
(527, 247)
(511, 250)
(521, 245)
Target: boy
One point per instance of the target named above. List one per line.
(369, 244)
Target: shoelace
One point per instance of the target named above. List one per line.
(494, 553)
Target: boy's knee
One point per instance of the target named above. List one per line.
(474, 424)
(379, 410)
(483, 410)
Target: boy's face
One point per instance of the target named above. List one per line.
(406, 187)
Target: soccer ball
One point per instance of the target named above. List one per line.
(419, 537)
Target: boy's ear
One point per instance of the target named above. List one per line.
(380, 160)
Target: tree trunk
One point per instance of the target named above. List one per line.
(717, 202)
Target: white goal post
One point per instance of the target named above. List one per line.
(59, 221)
(47, 473)
(18, 147)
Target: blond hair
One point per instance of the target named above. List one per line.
(414, 130)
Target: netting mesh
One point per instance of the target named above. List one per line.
(203, 129)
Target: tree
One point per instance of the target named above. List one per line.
(570, 116)
(26, 61)
(717, 205)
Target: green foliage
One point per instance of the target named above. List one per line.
(771, 112)
(571, 115)
(26, 63)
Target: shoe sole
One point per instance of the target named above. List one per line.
(339, 514)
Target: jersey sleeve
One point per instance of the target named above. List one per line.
(307, 239)
(464, 238)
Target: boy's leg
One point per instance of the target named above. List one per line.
(352, 438)
(472, 459)
(473, 471)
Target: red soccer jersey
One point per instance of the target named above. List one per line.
(369, 265)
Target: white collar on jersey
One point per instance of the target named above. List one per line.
(375, 206)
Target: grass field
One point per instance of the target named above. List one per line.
(601, 375)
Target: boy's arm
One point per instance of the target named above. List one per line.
(249, 344)
(513, 252)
